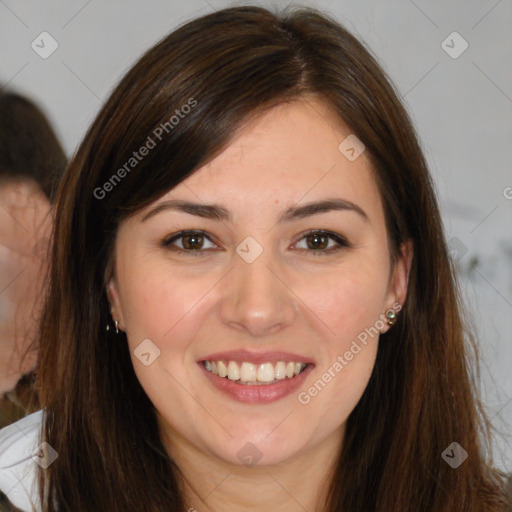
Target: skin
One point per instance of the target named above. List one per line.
(24, 222)
(289, 298)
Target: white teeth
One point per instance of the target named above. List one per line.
(266, 372)
(221, 369)
(233, 371)
(290, 368)
(249, 373)
(280, 370)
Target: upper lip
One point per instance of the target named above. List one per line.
(256, 357)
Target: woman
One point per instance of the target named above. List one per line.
(252, 303)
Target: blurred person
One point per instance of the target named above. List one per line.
(31, 163)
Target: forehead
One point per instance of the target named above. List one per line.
(288, 154)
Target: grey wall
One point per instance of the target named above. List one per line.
(461, 104)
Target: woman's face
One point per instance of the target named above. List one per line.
(253, 287)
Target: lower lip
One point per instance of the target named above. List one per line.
(261, 394)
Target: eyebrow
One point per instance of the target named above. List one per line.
(217, 212)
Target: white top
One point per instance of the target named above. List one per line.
(19, 450)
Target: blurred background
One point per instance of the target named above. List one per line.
(451, 62)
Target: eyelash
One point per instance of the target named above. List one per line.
(341, 241)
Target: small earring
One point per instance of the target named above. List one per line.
(107, 328)
(391, 316)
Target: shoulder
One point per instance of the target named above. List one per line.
(19, 451)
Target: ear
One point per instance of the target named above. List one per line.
(112, 289)
(397, 290)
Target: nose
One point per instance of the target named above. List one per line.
(257, 300)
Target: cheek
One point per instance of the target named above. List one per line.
(156, 300)
(347, 301)
(161, 307)
(350, 305)
(347, 359)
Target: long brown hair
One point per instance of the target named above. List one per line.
(230, 66)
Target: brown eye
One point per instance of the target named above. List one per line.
(194, 241)
(191, 241)
(317, 242)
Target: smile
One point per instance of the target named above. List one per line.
(255, 374)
